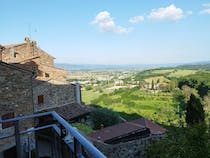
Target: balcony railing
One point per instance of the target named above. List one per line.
(79, 147)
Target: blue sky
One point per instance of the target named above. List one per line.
(111, 31)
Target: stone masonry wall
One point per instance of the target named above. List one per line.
(29, 53)
(15, 96)
(15, 91)
(131, 149)
(52, 72)
(54, 94)
(21, 52)
(14, 54)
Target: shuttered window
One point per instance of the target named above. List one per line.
(40, 99)
(5, 117)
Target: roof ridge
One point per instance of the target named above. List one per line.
(16, 67)
(135, 124)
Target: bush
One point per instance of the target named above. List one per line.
(83, 127)
(103, 116)
(191, 142)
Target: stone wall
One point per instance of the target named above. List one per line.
(16, 53)
(131, 149)
(15, 96)
(15, 90)
(21, 53)
(34, 59)
(52, 73)
(54, 93)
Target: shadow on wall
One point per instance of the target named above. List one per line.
(47, 92)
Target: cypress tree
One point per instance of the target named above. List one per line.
(194, 111)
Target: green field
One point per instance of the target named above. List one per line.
(157, 105)
(134, 103)
(181, 73)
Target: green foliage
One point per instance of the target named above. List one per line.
(72, 79)
(103, 116)
(88, 88)
(153, 85)
(205, 67)
(194, 111)
(202, 90)
(134, 103)
(191, 142)
(84, 128)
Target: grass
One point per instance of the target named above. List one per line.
(181, 73)
(161, 79)
(162, 71)
(88, 96)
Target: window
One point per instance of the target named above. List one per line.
(40, 99)
(47, 75)
(5, 117)
(15, 54)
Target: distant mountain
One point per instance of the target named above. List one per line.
(205, 65)
(93, 67)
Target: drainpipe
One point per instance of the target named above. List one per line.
(33, 78)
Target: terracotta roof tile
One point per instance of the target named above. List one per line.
(118, 130)
(71, 111)
(126, 128)
(154, 128)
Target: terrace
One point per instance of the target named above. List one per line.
(65, 141)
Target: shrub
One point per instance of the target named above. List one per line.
(103, 116)
(191, 142)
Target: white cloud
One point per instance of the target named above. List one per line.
(206, 4)
(207, 10)
(106, 23)
(136, 19)
(168, 13)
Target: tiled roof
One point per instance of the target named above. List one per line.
(71, 111)
(16, 66)
(126, 128)
(118, 130)
(14, 45)
(154, 128)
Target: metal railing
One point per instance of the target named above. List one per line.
(77, 146)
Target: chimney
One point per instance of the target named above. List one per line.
(78, 93)
(27, 40)
(1, 51)
(102, 126)
(34, 43)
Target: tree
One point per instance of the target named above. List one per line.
(153, 85)
(194, 111)
(202, 90)
(190, 142)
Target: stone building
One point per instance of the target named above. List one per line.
(30, 83)
(127, 139)
(50, 88)
(29, 51)
(15, 99)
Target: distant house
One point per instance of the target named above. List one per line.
(127, 131)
